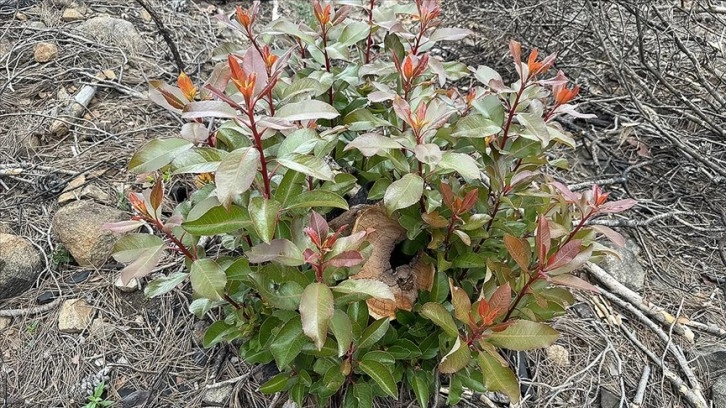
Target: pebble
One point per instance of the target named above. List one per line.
(44, 52)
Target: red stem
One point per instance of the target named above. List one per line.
(505, 134)
(520, 295)
(258, 145)
(369, 41)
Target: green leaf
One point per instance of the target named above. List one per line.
(342, 330)
(421, 385)
(275, 384)
(460, 163)
(307, 110)
(126, 249)
(373, 333)
(303, 88)
(456, 359)
(519, 250)
(498, 378)
(264, 217)
(282, 251)
(301, 141)
(218, 220)
(219, 331)
(288, 343)
(143, 251)
(428, 153)
(317, 198)
(309, 165)
(475, 126)
(353, 32)
(404, 192)
(373, 288)
(207, 109)
(535, 124)
(363, 119)
(381, 375)
(370, 144)
(382, 357)
(288, 27)
(156, 154)
(236, 173)
(208, 279)
(164, 284)
(333, 380)
(441, 317)
(316, 309)
(524, 335)
(198, 160)
(286, 296)
(363, 394)
(290, 186)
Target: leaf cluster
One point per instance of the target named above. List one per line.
(289, 127)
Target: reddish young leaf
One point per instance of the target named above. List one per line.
(564, 255)
(319, 225)
(617, 206)
(542, 240)
(235, 68)
(614, 236)
(518, 248)
(573, 282)
(157, 194)
(469, 201)
(483, 309)
(500, 299)
(346, 259)
(570, 196)
(447, 195)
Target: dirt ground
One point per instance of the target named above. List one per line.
(653, 73)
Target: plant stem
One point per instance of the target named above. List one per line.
(258, 145)
(512, 111)
(327, 62)
(579, 226)
(181, 247)
(369, 41)
(521, 294)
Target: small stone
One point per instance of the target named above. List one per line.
(122, 360)
(718, 391)
(20, 16)
(71, 14)
(20, 265)
(37, 25)
(130, 286)
(109, 74)
(219, 395)
(558, 355)
(712, 359)
(100, 328)
(145, 15)
(44, 52)
(79, 227)
(95, 192)
(608, 399)
(626, 269)
(5, 228)
(4, 323)
(74, 316)
(113, 31)
(73, 190)
(135, 399)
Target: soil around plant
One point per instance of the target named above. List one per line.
(653, 73)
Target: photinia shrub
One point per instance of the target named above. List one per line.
(459, 245)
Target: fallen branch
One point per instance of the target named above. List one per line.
(655, 312)
(636, 223)
(75, 110)
(31, 310)
(693, 397)
(164, 33)
(640, 391)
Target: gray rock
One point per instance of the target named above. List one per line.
(79, 227)
(712, 358)
(218, 395)
(626, 270)
(112, 31)
(608, 399)
(20, 265)
(71, 14)
(718, 392)
(74, 316)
